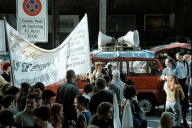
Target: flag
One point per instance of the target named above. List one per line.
(116, 120)
(33, 64)
(127, 119)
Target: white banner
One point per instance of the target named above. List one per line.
(33, 64)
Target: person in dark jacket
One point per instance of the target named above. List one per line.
(24, 89)
(102, 95)
(66, 95)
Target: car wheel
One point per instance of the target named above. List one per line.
(147, 104)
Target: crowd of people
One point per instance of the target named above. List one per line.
(35, 106)
(177, 76)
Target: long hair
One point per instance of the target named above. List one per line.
(102, 109)
(54, 111)
(166, 120)
(171, 82)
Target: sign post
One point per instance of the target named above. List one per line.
(32, 20)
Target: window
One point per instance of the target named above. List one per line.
(144, 68)
(120, 65)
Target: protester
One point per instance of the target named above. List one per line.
(2, 81)
(13, 91)
(170, 69)
(113, 88)
(83, 117)
(109, 70)
(6, 71)
(130, 96)
(116, 79)
(103, 117)
(122, 75)
(128, 82)
(66, 95)
(174, 95)
(8, 102)
(56, 115)
(38, 89)
(88, 91)
(31, 88)
(183, 75)
(99, 71)
(167, 120)
(6, 118)
(187, 58)
(1, 66)
(24, 89)
(102, 95)
(42, 116)
(3, 92)
(47, 97)
(190, 78)
(25, 118)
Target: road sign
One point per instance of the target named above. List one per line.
(32, 7)
(32, 20)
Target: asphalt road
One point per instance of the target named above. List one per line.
(153, 120)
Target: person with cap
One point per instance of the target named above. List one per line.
(99, 71)
(47, 97)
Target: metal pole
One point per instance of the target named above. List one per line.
(102, 15)
(53, 25)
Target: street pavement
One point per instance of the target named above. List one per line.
(153, 120)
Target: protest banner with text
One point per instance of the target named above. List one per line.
(33, 64)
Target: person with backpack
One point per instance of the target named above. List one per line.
(183, 75)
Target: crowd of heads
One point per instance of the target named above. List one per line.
(39, 101)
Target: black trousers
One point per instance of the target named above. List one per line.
(185, 102)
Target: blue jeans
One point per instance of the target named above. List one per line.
(175, 108)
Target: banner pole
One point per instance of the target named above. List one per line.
(6, 40)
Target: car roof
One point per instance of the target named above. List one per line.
(171, 46)
(124, 54)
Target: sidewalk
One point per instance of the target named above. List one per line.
(189, 116)
(153, 120)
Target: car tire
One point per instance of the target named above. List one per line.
(147, 104)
